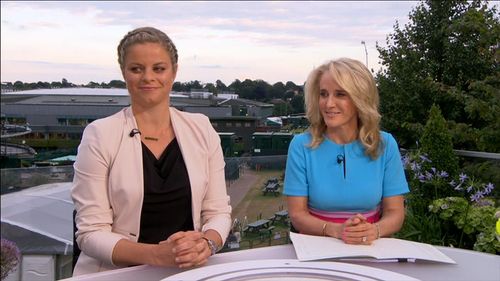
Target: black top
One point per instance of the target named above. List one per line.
(166, 208)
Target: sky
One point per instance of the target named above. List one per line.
(273, 41)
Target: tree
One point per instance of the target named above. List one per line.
(92, 84)
(289, 94)
(18, 85)
(55, 84)
(220, 86)
(65, 83)
(446, 55)
(42, 85)
(292, 86)
(297, 104)
(235, 86)
(483, 108)
(436, 143)
(211, 88)
(277, 90)
(281, 109)
(117, 84)
(194, 85)
(178, 87)
(246, 89)
(261, 90)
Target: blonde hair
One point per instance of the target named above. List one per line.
(146, 35)
(352, 76)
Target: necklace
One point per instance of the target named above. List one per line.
(151, 138)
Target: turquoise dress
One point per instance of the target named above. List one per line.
(340, 177)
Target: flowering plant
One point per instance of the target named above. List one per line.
(473, 219)
(10, 257)
(459, 202)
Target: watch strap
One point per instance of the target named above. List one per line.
(211, 245)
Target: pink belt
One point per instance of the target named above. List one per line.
(341, 217)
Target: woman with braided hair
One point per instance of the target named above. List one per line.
(149, 183)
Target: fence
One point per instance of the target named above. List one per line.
(20, 178)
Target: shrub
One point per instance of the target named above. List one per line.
(10, 257)
(448, 210)
(437, 143)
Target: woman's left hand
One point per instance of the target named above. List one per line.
(362, 233)
(190, 249)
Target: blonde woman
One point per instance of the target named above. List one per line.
(149, 182)
(344, 177)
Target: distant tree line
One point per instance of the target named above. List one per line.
(22, 86)
(288, 97)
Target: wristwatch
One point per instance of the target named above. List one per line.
(211, 245)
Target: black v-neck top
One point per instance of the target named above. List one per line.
(166, 208)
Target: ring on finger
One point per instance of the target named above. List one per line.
(363, 239)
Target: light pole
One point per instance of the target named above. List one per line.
(366, 52)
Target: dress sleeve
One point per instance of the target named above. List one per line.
(394, 176)
(296, 173)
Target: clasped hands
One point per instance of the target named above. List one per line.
(185, 249)
(356, 230)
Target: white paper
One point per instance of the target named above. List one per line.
(308, 247)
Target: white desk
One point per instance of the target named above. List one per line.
(471, 265)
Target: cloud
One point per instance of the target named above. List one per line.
(55, 64)
(263, 39)
(291, 23)
(212, 66)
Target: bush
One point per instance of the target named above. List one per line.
(476, 221)
(437, 143)
(486, 171)
(448, 210)
(10, 257)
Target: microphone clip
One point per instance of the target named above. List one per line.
(134, 132)
(340, 159)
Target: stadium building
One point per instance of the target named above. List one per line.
(57, 117)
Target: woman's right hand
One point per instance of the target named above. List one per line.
(163, 253)
(356, 230)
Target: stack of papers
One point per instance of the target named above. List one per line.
(308, 247)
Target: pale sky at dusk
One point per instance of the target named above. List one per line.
(272, 41)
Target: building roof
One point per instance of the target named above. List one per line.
(106, 97)
(67, 99)
(64, 158)
(72, 91)
(39, 219)
(240, 101)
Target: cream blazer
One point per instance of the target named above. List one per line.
(108, 185)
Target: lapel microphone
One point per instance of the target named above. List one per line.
(340, 159)
(134, 132)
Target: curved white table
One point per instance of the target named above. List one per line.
(471, 265)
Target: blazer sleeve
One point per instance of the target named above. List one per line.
(89, 192)
(215, 209)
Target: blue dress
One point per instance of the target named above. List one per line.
(340, 177)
